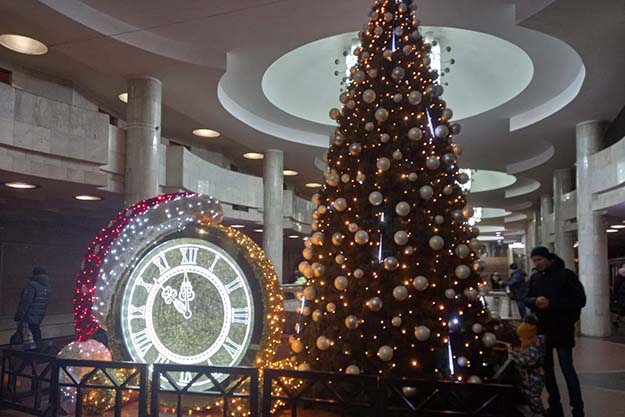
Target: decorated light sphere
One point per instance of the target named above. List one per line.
(317, 315)
(355, 149)
(420, 283)
(369, 96)
(439, 219)
(379, 30)
(359, 273)
(339, 139)
(457, 150)
(455, 129)
(388, 16)
(448, 190)
(375, 304)
(462, 361)
(432, 163)
(343, 98)
(369, 126)
(351, 104)
(358, 76)
(426, 192)
(352, 370)
(322, 209)
(409, 392)
(415, 35)
(331, 307)
(310, 293)
(335, 113)
(383, 164)
(457, 216)
(340, 259)
(316, 199)
(489, 339)
(479, 265)
(414, 98)
(462, 272)
(398, 98)
(475, 245)
(449, 158)
(398, 73)
(450, 293)
(373, 73)
(376, 198)
(304, 366)
(463, 178)
(400, 237)
(307, 253)
(407, 50)
(403, 7)
(337, 239)
(360, 177)
(474, 379)
(385, 137)
(441, 131)
(409, 250)
(387, 54)
(317, 238)
(400, 293)
(318, 269)
(340, 204)
(345, 178)
(477, 328)
(361, 237)
(385, 353)
(306, 311)
(397, 155)
(396, 321)
(402, 208)
(381, 114)
(341, 283)
(352, 227)
(471, 294)
(323, 343)
(468, 212)
(422, 333)
(297, 346)
(447, 114)
(439, 90)
(462, 251)
(412, 177)
(391, 263)
(494, 315)
(437, 242)
(415, 133)
(351, 322)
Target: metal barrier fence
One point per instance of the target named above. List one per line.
(44, 386)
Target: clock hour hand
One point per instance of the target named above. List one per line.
(186, 295)
(170, 296)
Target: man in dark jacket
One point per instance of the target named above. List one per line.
(518, 287)
(557, 297)
(34, 302)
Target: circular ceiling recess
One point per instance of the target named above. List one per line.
(485, 180)
(486, 72)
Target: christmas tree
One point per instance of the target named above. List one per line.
(393, 282)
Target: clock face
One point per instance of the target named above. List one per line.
(187, 302)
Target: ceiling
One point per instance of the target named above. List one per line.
(526, 73)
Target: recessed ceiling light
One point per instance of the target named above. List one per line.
(206, 133)
(258, 230)
(253, 155)
(618, 226)
(238, 226)
(84, 197)
(290, 173)
(20, 185)
(313, 185)
(23, 44)
(123, 97)
(612, 231)
(293, 237)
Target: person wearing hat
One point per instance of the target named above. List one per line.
(557, 297)
(518, 288)
(34, 302)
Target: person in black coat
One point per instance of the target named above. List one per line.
(557, 297)
(34, 302)
(518, 287)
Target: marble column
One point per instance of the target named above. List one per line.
(143, 137)
(564, 240)
(532, 238)
(546, 216)
(273, 180)
(593, 240)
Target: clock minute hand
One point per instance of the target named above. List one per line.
(187, 295)
(170, 296)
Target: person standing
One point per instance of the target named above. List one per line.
(518, 287)
(557, 297)
(34, 302)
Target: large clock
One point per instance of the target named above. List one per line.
(176, 287)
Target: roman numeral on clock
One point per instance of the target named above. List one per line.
(142, 283)
(143, 342)
(136, 312)
(231, 347)
(234, 285)
(189, 256)
(241, 315)
(161, 359)
(161, 262)
(215, 260)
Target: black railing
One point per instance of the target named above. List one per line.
(44, 386)
(370, 396)
(238, 389)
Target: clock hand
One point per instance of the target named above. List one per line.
(186, 294)
(170, 296)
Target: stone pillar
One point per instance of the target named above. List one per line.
(143, 138)
(273, 180)
(593, 239)
(546, 211)
(532, 239)
(562, 184)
